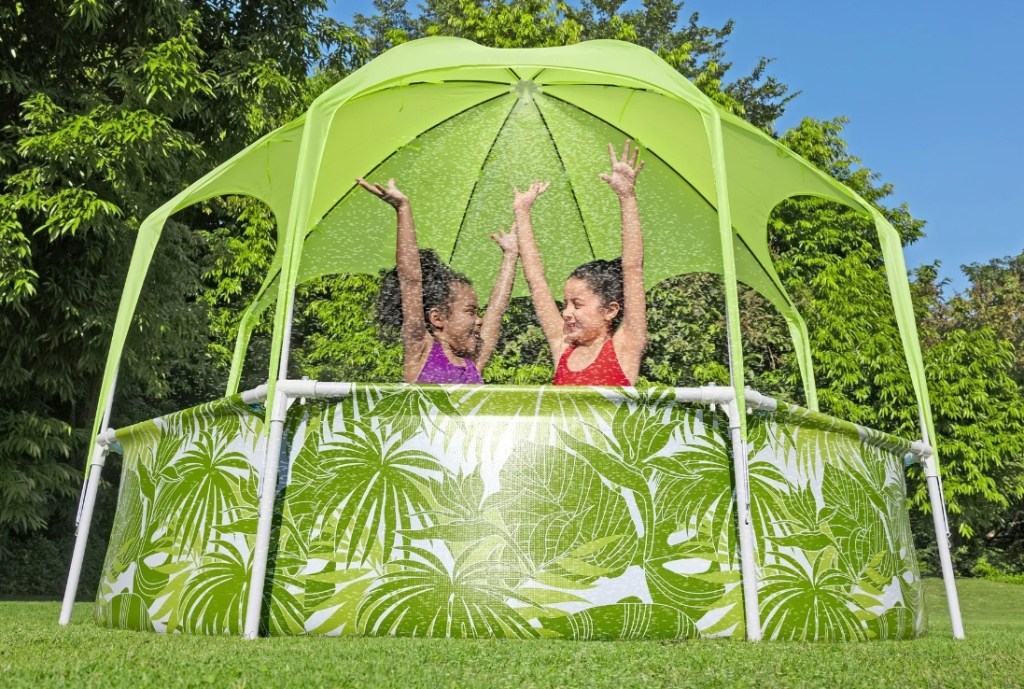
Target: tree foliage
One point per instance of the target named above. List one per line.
(995, 299)
(107, 109)
(829, 258)
(974, 340)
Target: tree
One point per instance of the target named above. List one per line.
(830, 260)
(982, 325)
(106, 110)
(995, 298)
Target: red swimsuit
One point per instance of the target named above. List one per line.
(605, 369)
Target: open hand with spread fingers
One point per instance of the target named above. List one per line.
(508, 241)
(523, 200)
(391, 194)
(624, 170)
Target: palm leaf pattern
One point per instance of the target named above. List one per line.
(624, 621)
(419, 409)
(562, 519)
(695, 490)
(284, 610)
(368, 488)
(422, 596)
(532, 409)
(803, 599)
(468, 511)
(837, 546)
(204, 487)
(125, 611)
(187, 480)
(215, 595)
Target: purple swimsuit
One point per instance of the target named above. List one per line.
(439, 370)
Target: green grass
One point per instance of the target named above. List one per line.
(36, 652)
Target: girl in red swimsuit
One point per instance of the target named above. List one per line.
(599, 337)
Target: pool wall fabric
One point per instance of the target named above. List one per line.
(484, 511)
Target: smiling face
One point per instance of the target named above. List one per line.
(584, 318)
(458, 326)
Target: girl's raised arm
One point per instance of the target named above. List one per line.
(631, 337)
(533, 268)
(416, 341)
(500, 294)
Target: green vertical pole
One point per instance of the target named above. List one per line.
(314, 135)
(738, 409)
(245, 327)
(899, 289)
(802, 346)
(732, 302)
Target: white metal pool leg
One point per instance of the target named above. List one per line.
(268, 491)
(748, 557)
(88, 503)
(942, 542)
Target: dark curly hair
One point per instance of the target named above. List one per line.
(438, 279)
(605, 279)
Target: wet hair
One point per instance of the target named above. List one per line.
(604, 278)
(438, 279)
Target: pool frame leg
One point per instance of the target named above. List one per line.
(748, 555)
(267, 494)
(82, 526)
(941, 523)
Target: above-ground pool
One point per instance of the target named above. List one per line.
(579, 513)
(480, 511)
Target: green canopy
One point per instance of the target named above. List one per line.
(458, 125)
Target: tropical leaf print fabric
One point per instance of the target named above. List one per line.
(835, 552)
(178, 558)
(473, 511)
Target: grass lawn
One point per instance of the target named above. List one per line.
(36, 652)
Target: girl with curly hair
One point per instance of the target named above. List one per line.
(436, 310)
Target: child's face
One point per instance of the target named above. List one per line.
(460, 327)
(584, 318)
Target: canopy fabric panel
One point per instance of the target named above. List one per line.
(458, 124)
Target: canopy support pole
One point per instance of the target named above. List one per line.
(245, 327)
(86, 505)
(748, 555)
(279, 401)
(314, 133)
(266, 493)
(942, 542)
(737, 410)
(941, 522)
(903, 305)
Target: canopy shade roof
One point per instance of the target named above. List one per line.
(458, 135)
(459, 174)
(458, 125)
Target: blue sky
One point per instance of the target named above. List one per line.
(932, 90)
